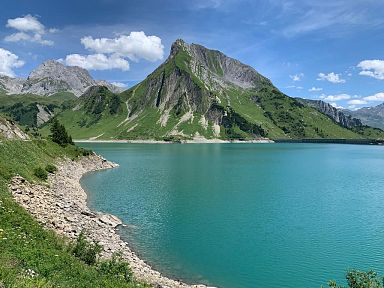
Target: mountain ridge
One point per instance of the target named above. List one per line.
(336, 114)
(372, 116)
(51, 77)
(202, 93)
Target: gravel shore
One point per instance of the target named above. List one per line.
(62, 206)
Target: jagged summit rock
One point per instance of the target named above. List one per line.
(51, 77)
(218, 66)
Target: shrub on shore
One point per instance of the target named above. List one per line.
(360, 279)
(86, 251)
(41, 173)
(50, 168)
(116, 267)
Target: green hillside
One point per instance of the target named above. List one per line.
(196, 93)
(199, 92)
(25, 245)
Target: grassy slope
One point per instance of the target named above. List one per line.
(23, 107)
(24, 244)
(58, 98)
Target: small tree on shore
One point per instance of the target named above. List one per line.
(59, 134)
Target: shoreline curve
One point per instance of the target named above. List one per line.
(62, 207)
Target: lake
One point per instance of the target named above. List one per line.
(247, 215)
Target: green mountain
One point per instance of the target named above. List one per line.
(33, 110)
(200, 93)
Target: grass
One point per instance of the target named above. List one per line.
(31, 256)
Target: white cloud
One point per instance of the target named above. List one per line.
(357, 102)
(315, 89)
(335, 98)
(334, 104)
(134, 46)
(97, 62)
(297, 77)
(207, 4)
(331, 77)
(334, 18)
(29, 29)
(376, 97)
(9, 61)
(26, 23)
(119, 84)
(21, 36)
(113, 53)
(294, 86)
(372, 68)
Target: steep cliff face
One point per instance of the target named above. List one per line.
(371, 116)
(335, 114)
(52, 77)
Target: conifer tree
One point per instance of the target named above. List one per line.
(59, 134)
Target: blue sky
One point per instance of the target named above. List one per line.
(329, 50)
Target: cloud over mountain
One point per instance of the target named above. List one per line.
(9, 61)
(30, 29)
(112, 53)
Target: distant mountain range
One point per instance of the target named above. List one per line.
(196, 93)
(52, 77)
(371, 116)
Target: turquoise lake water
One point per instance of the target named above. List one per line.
(247, 215)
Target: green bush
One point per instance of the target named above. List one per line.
(116, 267)
(85, 250)
(360, 279)
(40, 173)
(50, 168)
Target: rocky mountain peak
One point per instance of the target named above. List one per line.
(215, 65)
(177, 46)
(51, 77)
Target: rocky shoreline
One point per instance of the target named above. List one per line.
(62, 206)
(193, 141)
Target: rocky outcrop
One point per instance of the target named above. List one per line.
(10, 131)
(52, 77)
(43, 114)
(61, 206)
(371, 116)
(335, 114)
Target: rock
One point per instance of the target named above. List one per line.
(110, 220)
(11, 131)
